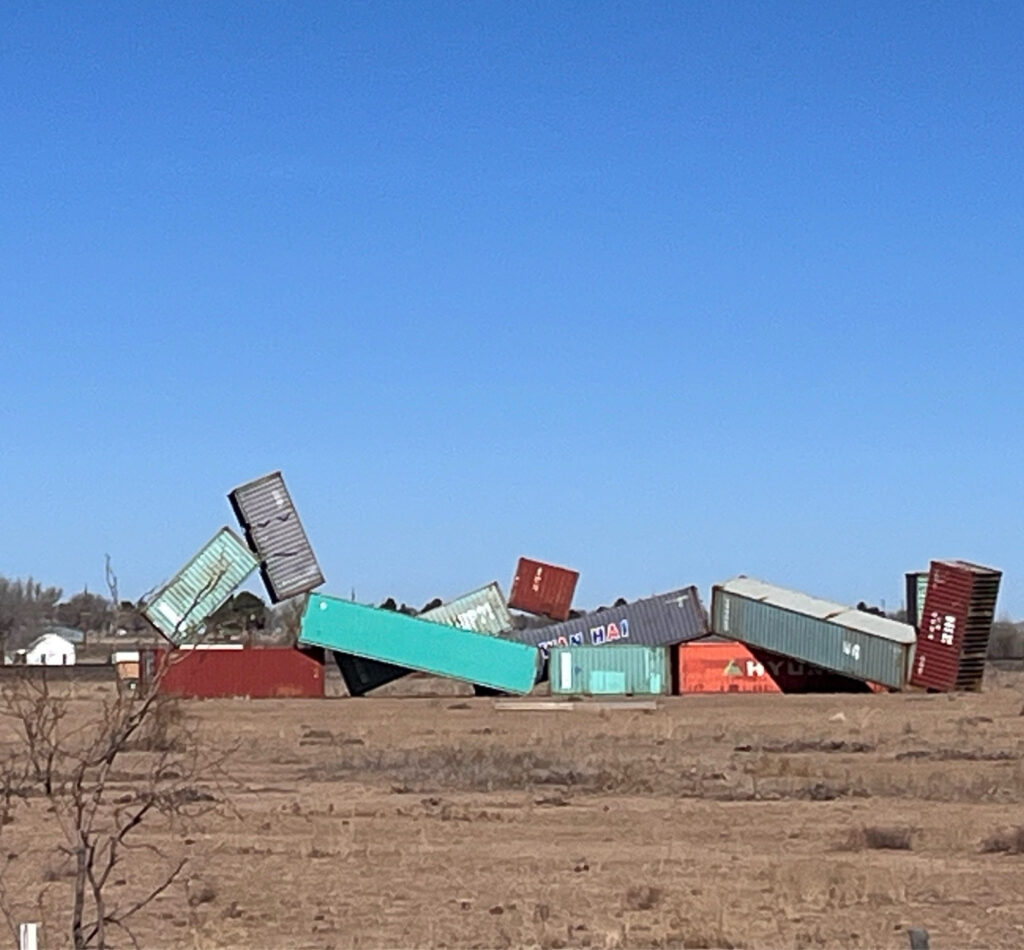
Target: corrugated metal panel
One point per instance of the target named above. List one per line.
(655, 621)
(955, 626)
(916, 588)
(259, 672)
(180, 607)
(716, 665)
(418, 644)
(540, 588)
(626, 670)
(826, 634)
(267, 515)
(483, 611)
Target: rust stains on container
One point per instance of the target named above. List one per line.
(544, 589)
(954, 629)
(216, 670)
(267, 515)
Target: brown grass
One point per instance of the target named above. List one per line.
(878, 838)
(1008, 841)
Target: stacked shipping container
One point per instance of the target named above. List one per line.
(543, 589)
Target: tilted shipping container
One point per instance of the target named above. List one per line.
(418, 644)
(180, 608)
(545, 589)
(714, 665)
(955, 627)
(267, 515)
(628, 670)
(835, 637)
(916, 589)
(482, 610)
(219, 670)
(654, 621)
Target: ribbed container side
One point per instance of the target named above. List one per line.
(257, 672)
(662, 620)
(724, 666)
(180, 608)
(544, 589)
(716, 665)
(628, 670)
(916, 589)
(483, 611)
(418, 644)
(267, 515)
(955, 627)
(851, 642)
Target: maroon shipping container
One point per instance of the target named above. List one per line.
(545, 589)
(954, 628)
(209, 672)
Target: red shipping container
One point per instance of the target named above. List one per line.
(213, 671)
(544, 589)
(954, 628)
(727, 666)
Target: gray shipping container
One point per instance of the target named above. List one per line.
(265, 511)
(835, 637)
(655, 622)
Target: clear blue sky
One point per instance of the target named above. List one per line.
(666, 292)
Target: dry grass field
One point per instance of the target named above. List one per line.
(710, 821)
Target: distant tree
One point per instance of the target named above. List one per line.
(86, 611)
(431, 605)
(24, 606)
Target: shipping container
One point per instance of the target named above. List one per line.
(857, 644)
(628, 670)
(716, 665)
(955, 626)
(180, 608)
(545, 589)
(225, 670)
(419, 645)
(482, 610)
(916, 589)
(654, 621)
(271, 524)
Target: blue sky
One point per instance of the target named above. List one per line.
(666, 292)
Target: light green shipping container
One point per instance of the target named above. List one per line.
(618, 670)
(417, 644)
(180, 608)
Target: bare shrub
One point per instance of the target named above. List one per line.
(879, 838)
(642, 897)
(1009, 841)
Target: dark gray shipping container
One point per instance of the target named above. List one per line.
(656, 621)
(265, 511)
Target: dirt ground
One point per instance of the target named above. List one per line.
(708, 821)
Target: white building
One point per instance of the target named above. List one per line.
(48, 650)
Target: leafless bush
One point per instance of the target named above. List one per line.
(642, 897)
(1009, 841)
(879, 838)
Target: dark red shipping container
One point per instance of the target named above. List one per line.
(954, 628)
(544, 589)
(222, 671)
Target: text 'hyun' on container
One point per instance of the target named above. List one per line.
(418, 645)
(857, 644)
(628, 670)
(662, 620)
(267, 515)
(543, 589)
(483, 611)
(955, 625)
(180, 608)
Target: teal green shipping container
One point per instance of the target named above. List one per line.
(178, 610)
(619, 670)
(421, 645)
